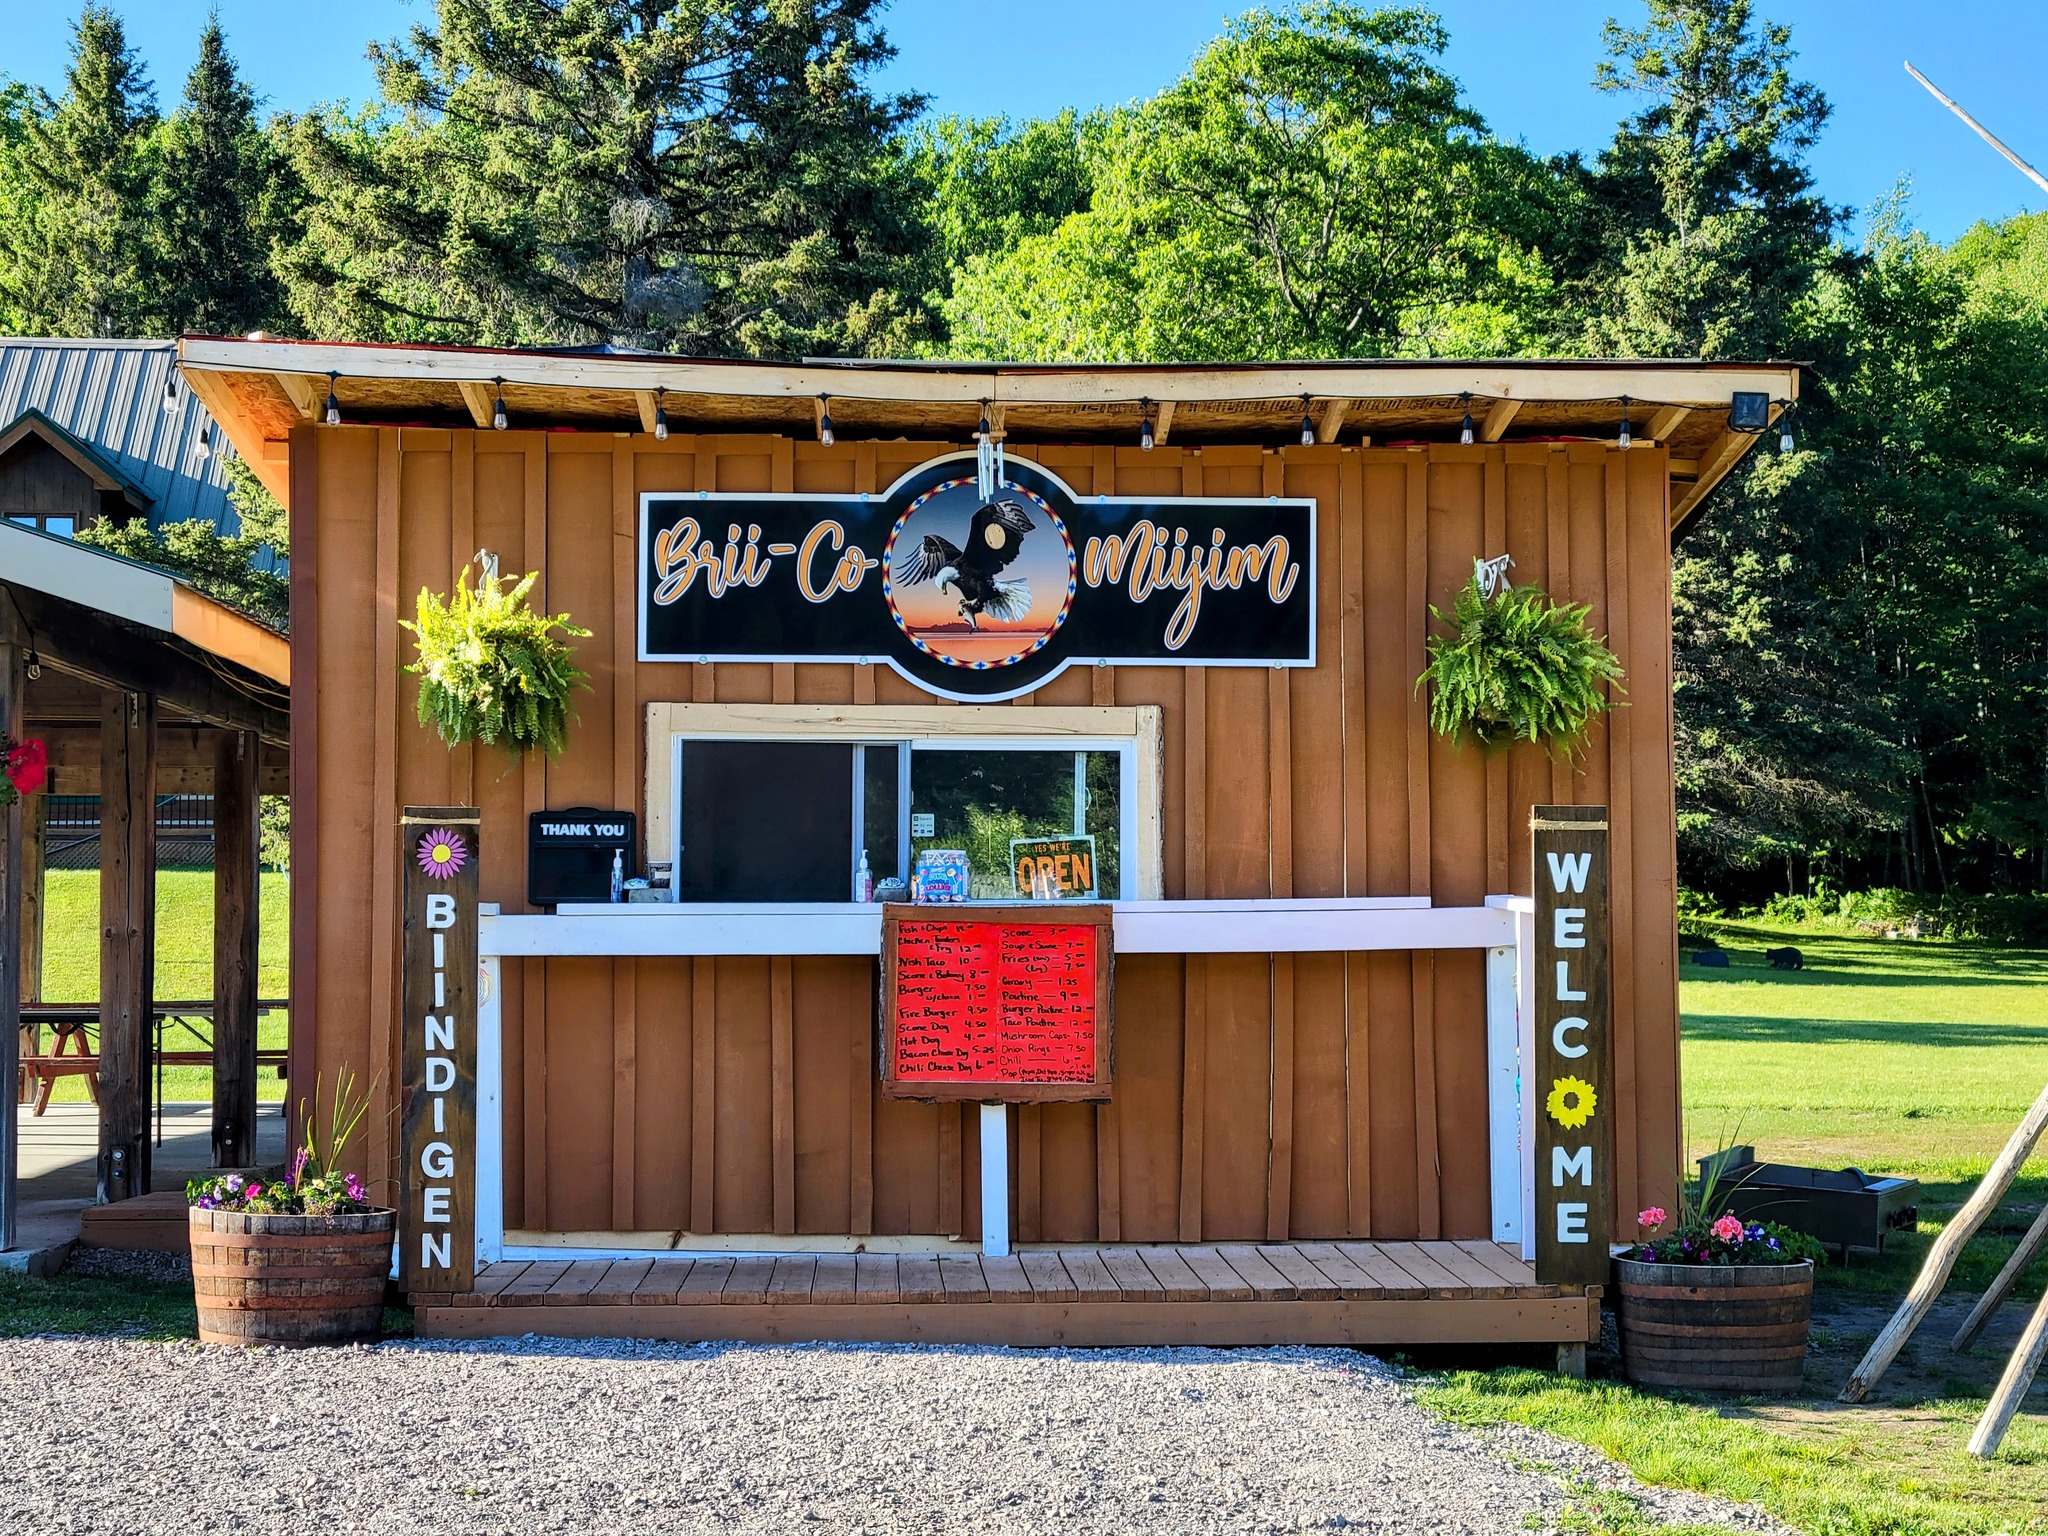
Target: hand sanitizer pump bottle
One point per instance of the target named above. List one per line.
(863, 880)
(618, 874)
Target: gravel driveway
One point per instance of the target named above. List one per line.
(540, 1435)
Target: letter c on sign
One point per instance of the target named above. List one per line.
(1559, 1031)
(437, 1160)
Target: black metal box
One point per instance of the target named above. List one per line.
(1844, 1208)
(569, 853)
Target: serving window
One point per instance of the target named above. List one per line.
(786, 803)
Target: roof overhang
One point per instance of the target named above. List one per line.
(260, 389)
(141, 595)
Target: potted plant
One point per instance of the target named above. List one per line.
(493, 670)
(1519, 667)
(297, 1259)
(1714, 1304)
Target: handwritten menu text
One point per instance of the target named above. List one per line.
(995, 1003)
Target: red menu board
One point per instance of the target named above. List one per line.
(1012, 1003)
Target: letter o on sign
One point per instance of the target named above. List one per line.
(437, 1160)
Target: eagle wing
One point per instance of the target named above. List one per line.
(927, 560)
(996, 532)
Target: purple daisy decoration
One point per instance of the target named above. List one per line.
(442, 854)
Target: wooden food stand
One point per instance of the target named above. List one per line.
(813, 661)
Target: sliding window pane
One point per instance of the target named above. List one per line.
(982, 801)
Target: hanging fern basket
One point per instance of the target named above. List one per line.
(493, 670)
(1517, 667)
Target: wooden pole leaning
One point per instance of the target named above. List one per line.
(2013, 1385)
(1941, 1258)
(13, 711)
(1988, 1304)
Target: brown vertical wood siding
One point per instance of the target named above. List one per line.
(1257, 1098)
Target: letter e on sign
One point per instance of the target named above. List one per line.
(1572, 1073)
(438, 852)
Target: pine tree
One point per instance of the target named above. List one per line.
(213, 203)
(78, 263)
(700, 175)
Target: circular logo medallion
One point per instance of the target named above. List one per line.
(976, 584)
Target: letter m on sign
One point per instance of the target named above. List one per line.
(1572, 1082)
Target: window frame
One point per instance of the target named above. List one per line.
(1133, 732)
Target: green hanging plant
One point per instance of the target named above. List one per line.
(1519, 668)
(493, 670)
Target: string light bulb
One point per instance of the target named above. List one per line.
(498, 406)
(1785, 443)
(660, 416)
(1626, 437)
(1145, 425)
(170, 392)
(1308, 426)
(1465, 426)
(826, 435)
(202, 450)
(333, 411)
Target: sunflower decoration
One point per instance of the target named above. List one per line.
(1571, 1102)
(442, 854)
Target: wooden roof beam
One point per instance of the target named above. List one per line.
(1162, 421)
(304, 393)
(1665, 422)
(1714, 465)
(483, 405)
(1331, 420)
(644, 398)
(1499, 416)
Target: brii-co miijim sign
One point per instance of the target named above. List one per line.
(973, 596)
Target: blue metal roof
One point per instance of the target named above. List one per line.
(110, 395)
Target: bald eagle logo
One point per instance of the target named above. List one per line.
(973, 575)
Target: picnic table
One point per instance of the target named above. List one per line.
(73, 1049)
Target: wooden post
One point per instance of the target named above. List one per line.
(438, 848)
(127, 938)
(1573, 1084)
(2008, 1277)
(1941, 1258)
(13, 711)
(34, 830)
(2012, 1386)
(237, 886)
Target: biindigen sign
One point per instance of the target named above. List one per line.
(437, 1234)
(976, 597)
(1572, 1087)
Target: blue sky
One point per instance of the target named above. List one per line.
(1526, 67)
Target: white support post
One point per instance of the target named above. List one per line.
(995, 1180)
(1525, 1031)
(1503, 1095)
(490, 1108)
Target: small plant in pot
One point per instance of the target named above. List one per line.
(297, 1259)
(1710, 1304)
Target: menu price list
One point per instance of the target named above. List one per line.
(984, 1002)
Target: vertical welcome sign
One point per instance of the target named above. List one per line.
(1572, 1086)
(437, 1238)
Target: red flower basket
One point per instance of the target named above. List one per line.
(24, 767)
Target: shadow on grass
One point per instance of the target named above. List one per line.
(100, 1306)
(1750, 1029)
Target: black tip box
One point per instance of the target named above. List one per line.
(569, 853)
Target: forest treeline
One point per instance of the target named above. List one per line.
(1861, 626)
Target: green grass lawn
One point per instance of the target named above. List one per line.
(1895, 1057)
(184, 963)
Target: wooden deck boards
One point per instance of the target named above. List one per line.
(1117, 1294)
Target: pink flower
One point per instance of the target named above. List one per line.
(1652, 1218)
(27, 766)
(442, 853)
(253, 1191)
(1728, 1228)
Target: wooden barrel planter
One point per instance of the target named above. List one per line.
(290, 1280)
(1714, 1327)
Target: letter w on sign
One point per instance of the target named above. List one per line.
(1573, 1081)
(438, 849)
